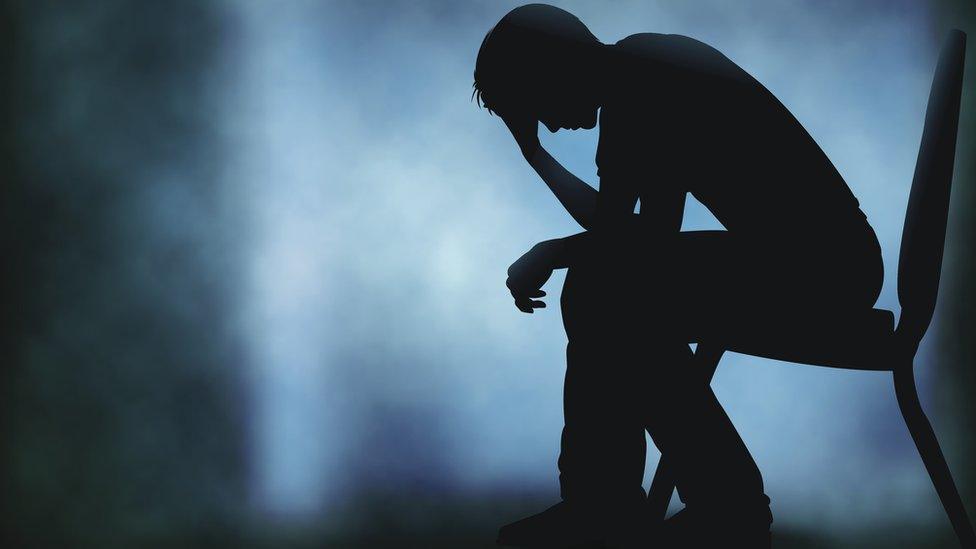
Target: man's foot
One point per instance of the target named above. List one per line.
(693, 530)
(572, 526)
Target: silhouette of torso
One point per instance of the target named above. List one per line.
(681, 117)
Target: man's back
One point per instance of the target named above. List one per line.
(681, 117)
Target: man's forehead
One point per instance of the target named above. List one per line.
(501, 102)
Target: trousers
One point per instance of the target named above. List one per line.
(629, 318)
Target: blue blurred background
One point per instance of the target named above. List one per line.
(256, 268)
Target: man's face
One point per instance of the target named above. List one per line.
(561, 110)
(556, 109)
(568, 118)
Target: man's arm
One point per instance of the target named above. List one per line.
(579, 199)
(613, 225)
(607, 215)
(531, 271)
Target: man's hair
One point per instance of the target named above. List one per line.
(532, 44)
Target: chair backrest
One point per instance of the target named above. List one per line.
(923, 239)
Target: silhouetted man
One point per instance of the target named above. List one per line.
(676, 116)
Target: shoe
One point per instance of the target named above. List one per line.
(567, 526)
(687, 529)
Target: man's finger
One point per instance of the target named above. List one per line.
(536, 293)
(538, 304)
(524, 305)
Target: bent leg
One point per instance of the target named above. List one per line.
(629, 323)
(603, 443)
(715, 472)
(716, 280)
(628, 368)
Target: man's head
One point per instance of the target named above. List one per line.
(539, 61)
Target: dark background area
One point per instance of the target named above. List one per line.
(129, 414)
(958, 300)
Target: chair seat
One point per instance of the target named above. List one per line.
(838, 339)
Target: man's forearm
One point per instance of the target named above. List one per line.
(562, 253)
(573, 193)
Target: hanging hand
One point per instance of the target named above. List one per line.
(527, 276)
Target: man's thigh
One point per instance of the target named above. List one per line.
(698, 280)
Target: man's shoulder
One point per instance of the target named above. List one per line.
(665, 46)
(641, 40)
(676, 52)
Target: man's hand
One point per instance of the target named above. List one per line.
(525, 130)
(526, 277)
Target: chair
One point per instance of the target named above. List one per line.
(869, 340)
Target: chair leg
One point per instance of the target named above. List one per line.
(662, 486)
(928, 446)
